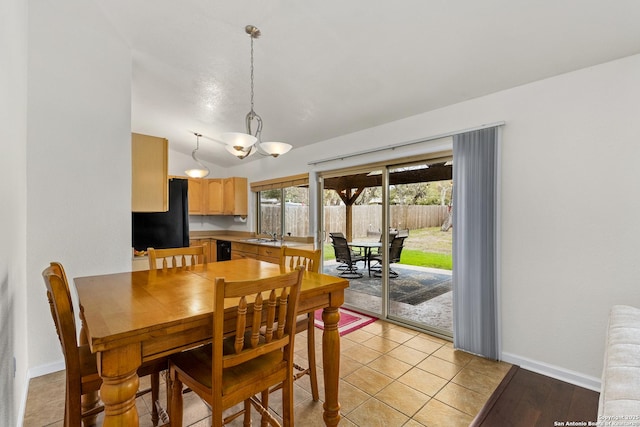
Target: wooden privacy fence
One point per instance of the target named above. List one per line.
(369, 218)
(365, 218)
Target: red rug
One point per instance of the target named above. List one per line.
(349, 320)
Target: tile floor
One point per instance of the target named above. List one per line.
(390, 376)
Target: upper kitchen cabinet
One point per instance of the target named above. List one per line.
(149, 173)
(196, 196)
(214, 198)
(235, 196)
(218, 196)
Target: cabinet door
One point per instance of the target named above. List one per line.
(149, 173)
(235, 196)
(269, 254)
(243, 250)
(214, 197)
(196, 197)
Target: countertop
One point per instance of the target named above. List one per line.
(250, 238)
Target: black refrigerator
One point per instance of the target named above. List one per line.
(164, 229)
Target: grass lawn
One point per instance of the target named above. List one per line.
(426, 259)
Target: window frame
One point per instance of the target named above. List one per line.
(282, 184)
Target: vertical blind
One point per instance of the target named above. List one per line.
(475, 192)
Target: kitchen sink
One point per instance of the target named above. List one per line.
(261, 240)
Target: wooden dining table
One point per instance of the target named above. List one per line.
(134, 317)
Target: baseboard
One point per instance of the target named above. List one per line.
(552, 371)
(49, 368)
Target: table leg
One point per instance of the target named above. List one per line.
(331, 365)
(118, 369)
(88, 400)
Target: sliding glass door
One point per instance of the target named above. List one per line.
(352, 208)
(419, 261)
(399, 254)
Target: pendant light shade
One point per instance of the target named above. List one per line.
(199, 170)
(238, 140)
(274, 149)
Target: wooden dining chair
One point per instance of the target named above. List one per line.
(81, 370)
(310, 261)
(177, 258)
(234, 368)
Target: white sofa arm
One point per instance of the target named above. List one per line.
(620, 390)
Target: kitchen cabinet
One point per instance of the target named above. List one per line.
(235, 196)
(214, 199)
(269, 254)
(210, 250)
(259, 252)
(243, 250)
(196, 196)
(149, 173)
(218, 196)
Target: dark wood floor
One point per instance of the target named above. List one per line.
(527, 399)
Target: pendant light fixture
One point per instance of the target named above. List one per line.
(243, 145)
(201, 170)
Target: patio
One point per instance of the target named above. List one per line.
(418, 294)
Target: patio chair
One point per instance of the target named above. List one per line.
(395, 250)
(357, 255)
(346, 258)
(403, 233)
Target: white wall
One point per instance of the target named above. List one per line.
(13, 224)
(570, 228)
(79, 156)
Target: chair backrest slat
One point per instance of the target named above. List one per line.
(294, 257)
(269, 303)
(178, 258)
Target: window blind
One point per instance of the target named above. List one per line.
(301, 180)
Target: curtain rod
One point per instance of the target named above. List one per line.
(405, 144)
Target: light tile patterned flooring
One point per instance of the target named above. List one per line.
(389, 376)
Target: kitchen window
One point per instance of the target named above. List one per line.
(283, 206)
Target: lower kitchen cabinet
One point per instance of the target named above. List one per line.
(269, 254)
(243, 250)
(210, 250)
(259, 252)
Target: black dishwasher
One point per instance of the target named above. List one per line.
(223, 250)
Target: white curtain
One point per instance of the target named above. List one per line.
(475, 263)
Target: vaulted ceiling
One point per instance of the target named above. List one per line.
(332, 67)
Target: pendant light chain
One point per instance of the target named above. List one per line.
(251, 36)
